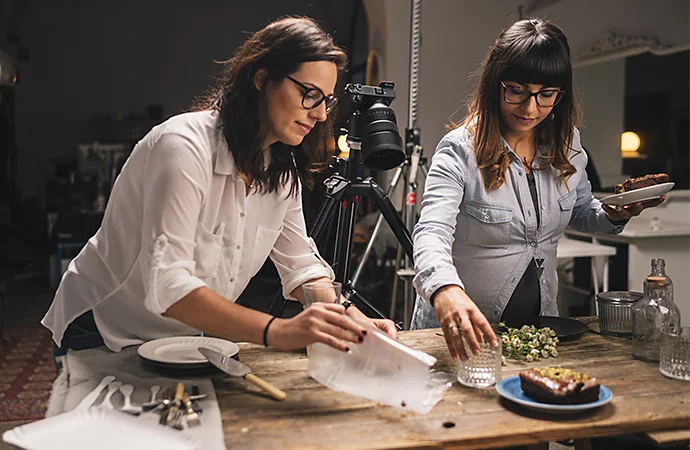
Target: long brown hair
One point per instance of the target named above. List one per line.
(531, 51)
(280, 48)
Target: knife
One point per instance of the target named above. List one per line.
(237, 369)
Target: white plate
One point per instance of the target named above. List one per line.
(510, 389)
(97, 428)
(638, 195)
(182, 350)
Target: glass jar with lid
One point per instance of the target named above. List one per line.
(650, 314)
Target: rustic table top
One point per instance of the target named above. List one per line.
(314, 416)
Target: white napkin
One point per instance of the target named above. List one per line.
(83, 370)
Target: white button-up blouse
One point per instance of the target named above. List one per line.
(179, 218)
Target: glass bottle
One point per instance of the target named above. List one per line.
(650, 314)
(659, 270)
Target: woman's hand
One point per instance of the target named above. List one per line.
(620, 213)
(328, 323)
(385, 325)
(459, 316)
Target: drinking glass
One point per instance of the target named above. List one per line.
(322, 291)
(674, 355)
(482, 370)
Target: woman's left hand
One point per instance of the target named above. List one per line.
(620, 213)
(385, 325)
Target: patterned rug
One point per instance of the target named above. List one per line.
(27, 372)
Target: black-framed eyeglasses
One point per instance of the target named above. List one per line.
(312, 97)
(516, 95)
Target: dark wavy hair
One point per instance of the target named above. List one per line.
(531, 51)
(280, 48)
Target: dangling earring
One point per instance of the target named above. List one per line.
(552, 116)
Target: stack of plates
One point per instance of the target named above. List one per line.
(178, 356)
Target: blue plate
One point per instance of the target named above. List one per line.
(510, 389)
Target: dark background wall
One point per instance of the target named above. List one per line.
(114, 59)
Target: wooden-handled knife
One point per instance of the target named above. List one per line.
(237, 369)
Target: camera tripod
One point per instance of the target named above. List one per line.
(408, 171)
(343, 190)
(413, 162)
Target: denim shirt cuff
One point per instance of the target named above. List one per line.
(614, 227)
(430, 280)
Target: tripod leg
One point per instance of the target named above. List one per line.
(278, 306)
(394, 293)
(389, 213)
(367, 308)
(377, 228)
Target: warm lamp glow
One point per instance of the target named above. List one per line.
(630, 142)
(342, 146)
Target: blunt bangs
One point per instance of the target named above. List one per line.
(539, 61)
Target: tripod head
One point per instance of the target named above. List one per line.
(372, 130)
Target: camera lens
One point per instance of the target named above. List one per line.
(381, 142)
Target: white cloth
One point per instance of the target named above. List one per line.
(179, 218)
(83, 370)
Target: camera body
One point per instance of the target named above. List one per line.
(372, 124)
(363, 96)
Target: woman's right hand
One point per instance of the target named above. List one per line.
(320, 322)
(459, 316)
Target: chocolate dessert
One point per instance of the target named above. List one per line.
(636, 183)
(559, 386)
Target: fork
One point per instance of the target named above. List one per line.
(174, 413)
(192, 418)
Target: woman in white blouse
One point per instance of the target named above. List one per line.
(204, 199)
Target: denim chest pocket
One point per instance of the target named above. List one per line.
(488, 225)
(566, 204)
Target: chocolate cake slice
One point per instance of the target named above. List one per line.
(636, 183)
(557, 385)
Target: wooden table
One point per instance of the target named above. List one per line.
(314, 416)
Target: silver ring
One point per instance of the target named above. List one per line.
(452, 325)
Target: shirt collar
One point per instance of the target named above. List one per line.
(224, 163)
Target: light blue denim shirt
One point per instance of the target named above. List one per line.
(483, 241)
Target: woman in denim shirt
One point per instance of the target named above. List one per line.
(500, 191)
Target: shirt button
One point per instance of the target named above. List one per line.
(486, 216)
(533, 244)
(238, 247)
(241, 214)
(520, 173)
(232, 280)
(543, 207)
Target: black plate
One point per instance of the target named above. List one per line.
(565, 328)
(189, 369)
(172, 370)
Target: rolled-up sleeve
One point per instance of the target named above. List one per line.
(294, 254)
(588, 215)
(176, 179)
(433, 234)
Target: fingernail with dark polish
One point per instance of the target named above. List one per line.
(364, 332)
(347, 349)
(360, 338)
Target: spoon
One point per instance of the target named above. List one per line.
(112, 388)
(127, 390)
